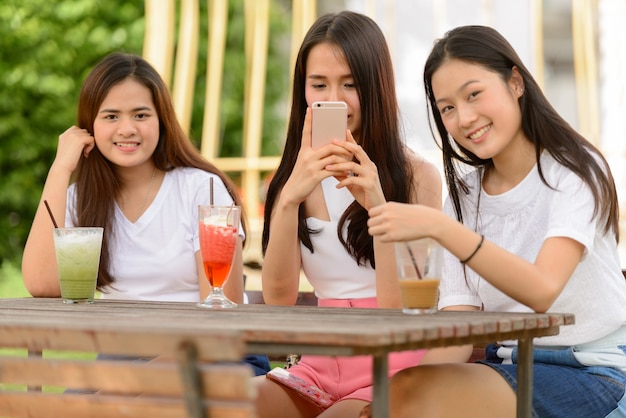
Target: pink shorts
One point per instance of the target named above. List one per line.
(349, 377)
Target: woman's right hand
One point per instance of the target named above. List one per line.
(39, 279)
(73, 143)
(310, 167)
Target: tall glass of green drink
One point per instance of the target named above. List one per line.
(78, 259)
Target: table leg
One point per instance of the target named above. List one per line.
(191, 379)
(525, 378)
(380, 402)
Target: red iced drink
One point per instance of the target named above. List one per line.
(217, 244)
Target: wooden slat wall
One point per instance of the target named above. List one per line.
(158, 42)
(159, 51)
(586, 57)
(186, 62)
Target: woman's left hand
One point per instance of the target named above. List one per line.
(361, 176)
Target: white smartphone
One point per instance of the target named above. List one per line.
(330, 121)
(303, 389)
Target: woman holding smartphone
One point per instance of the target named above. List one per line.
(317, 203)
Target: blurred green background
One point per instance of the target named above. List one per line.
(46, 50)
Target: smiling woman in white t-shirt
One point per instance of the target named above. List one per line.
(535, 228)
(132, 170)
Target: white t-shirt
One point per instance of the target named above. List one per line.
(330, 269)
(154, 258)
(519, 221)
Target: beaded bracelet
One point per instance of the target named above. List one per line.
(480, 244)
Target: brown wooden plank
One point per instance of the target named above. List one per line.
(295, 326)
(162, 378)
(37, 405)
(211, 345)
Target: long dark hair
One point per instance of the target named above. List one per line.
(96, 183)
(365, 50)
(541, 124)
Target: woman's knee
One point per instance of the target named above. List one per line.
(273, 401)
(405, 381)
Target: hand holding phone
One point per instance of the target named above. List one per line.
(329, 121)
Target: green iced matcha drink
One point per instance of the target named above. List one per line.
(78, 258)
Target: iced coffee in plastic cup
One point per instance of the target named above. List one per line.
(419, 265)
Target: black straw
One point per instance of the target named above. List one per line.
(45, 202)
(417, 270)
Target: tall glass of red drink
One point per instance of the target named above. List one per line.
(219, 229)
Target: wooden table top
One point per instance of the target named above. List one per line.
(275, 328)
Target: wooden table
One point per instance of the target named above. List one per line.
(47, 323)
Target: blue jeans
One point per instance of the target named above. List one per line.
(564, 388)
(259, 362)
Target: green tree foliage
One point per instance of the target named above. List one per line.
(46, 50)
